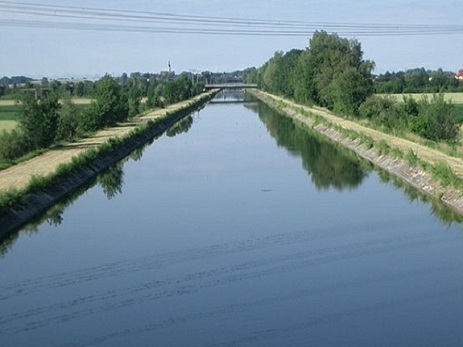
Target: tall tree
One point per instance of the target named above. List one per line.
(109, 107)
(39, 119)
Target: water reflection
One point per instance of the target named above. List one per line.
(231, 96)
(329, 164)
(53, 217)
(180, 127)
(446, 215)
(111, 182)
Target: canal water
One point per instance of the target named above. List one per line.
(236, 228)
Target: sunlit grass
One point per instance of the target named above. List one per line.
(456, 98)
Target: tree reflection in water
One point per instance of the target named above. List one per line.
(112, 180)
(329, 164)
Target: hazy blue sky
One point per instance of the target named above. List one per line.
(50, 52)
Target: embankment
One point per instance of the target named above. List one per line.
(335, 128)
(38, 198)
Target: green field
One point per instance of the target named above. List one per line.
(10, 111)
(456, 98)
(9, 115)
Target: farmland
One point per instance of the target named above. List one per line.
(9, 114)
(456, 98)
(10, 111)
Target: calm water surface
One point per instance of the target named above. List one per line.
(236, 228)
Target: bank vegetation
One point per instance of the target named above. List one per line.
(49, 117)
(331, 77)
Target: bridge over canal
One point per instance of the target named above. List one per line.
(230, 86)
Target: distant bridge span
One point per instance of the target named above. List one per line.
(230, 86)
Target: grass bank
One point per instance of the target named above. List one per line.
(437, 174)
(37, 193)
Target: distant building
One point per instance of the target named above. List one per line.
(167, 74)
(459, 75)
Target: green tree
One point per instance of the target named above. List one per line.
(341, 78)
(69, 120)
(133, 91)
(109, 107)
(39, 119)
(79, 89)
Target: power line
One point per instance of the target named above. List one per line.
(100, 19)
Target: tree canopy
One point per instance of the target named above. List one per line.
(331, 72)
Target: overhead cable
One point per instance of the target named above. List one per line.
(17, 14)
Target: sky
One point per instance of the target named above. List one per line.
(84, 51)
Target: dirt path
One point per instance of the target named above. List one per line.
(428, 154)
(18, 176)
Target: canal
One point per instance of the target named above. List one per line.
(237, 227)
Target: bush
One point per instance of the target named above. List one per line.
(68, 122)
(13, 144)
(436, 119)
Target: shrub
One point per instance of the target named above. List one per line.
(436, 120)
(411, 157)
(68, 122)
(445, 175)
(13, 144)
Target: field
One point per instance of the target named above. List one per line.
(456, 98)
(9, 114)
(10, 109)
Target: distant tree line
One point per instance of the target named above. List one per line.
(332, 73)
(50, 117)
(417, 81)
(5, 81)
